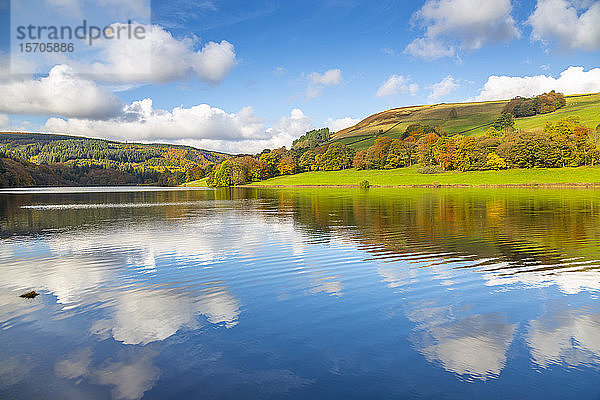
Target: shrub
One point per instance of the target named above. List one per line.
(364, 184)
(494, 161)
(430, 169)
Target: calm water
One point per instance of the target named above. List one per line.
(301, 294)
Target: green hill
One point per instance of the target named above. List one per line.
(460, 118)
(80, 160)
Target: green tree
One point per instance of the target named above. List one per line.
(336, 157)
(504, 123)
(494, 161)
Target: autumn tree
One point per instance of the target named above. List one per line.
(426, 148)
(336, 157)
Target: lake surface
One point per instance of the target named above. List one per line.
(300, 294)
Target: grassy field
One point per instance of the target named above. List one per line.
(198, 183)
(410, 176)
(472, 119)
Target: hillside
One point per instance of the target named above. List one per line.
(79, 160)
(460, 118)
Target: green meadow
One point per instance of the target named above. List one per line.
(410, 177)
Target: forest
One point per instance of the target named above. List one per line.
(29, 159)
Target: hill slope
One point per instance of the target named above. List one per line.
(80, 160)
(40, 148)
(460, 118)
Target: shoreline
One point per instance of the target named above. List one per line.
(439, 186)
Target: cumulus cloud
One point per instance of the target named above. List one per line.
(336, 125)
(290, 128)
(560, 21)
(451, 23)
(574, 80)
(318, 81)
(141, 121)
(396, 84)
(443, 88)
(281, 134)
(62, 93)
(159, 58)
(201, 125)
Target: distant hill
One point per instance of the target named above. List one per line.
(460, 118)
(79, 160)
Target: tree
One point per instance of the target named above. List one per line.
(493, 132)
(445, 149)
(504, 123)
(360, 160)
(426, 148)
(336, 157)
(594, 142)
(287, 165)
(494, 161)
(464, 153)
(221, 177)
(312, 139)
(306, 160)
(377, 154)
(270, 161)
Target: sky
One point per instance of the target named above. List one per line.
(241, 76)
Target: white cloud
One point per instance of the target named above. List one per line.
(470, 24)
(429, 49)
(202, 126)
(443, 88)
(289, 128)
(141, 121)
(332, 77)
(560, 21)
(574, 80)
(160, 58)
(336, 125)
(313, 91)
(60, 93)
(396, 84)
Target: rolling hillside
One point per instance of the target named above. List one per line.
(463, 118)
(48, 149)
(33, 159)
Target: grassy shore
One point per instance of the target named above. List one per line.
(410, 177)
(198, 183)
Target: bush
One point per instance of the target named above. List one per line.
(364, 184)
(430, 169)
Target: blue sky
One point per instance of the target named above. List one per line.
(281, 67)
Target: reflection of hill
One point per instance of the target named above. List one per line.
(513, 230)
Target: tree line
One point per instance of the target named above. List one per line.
(566, 143)
(85, 161)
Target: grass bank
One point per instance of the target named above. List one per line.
(198, 183)
(410, 177)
